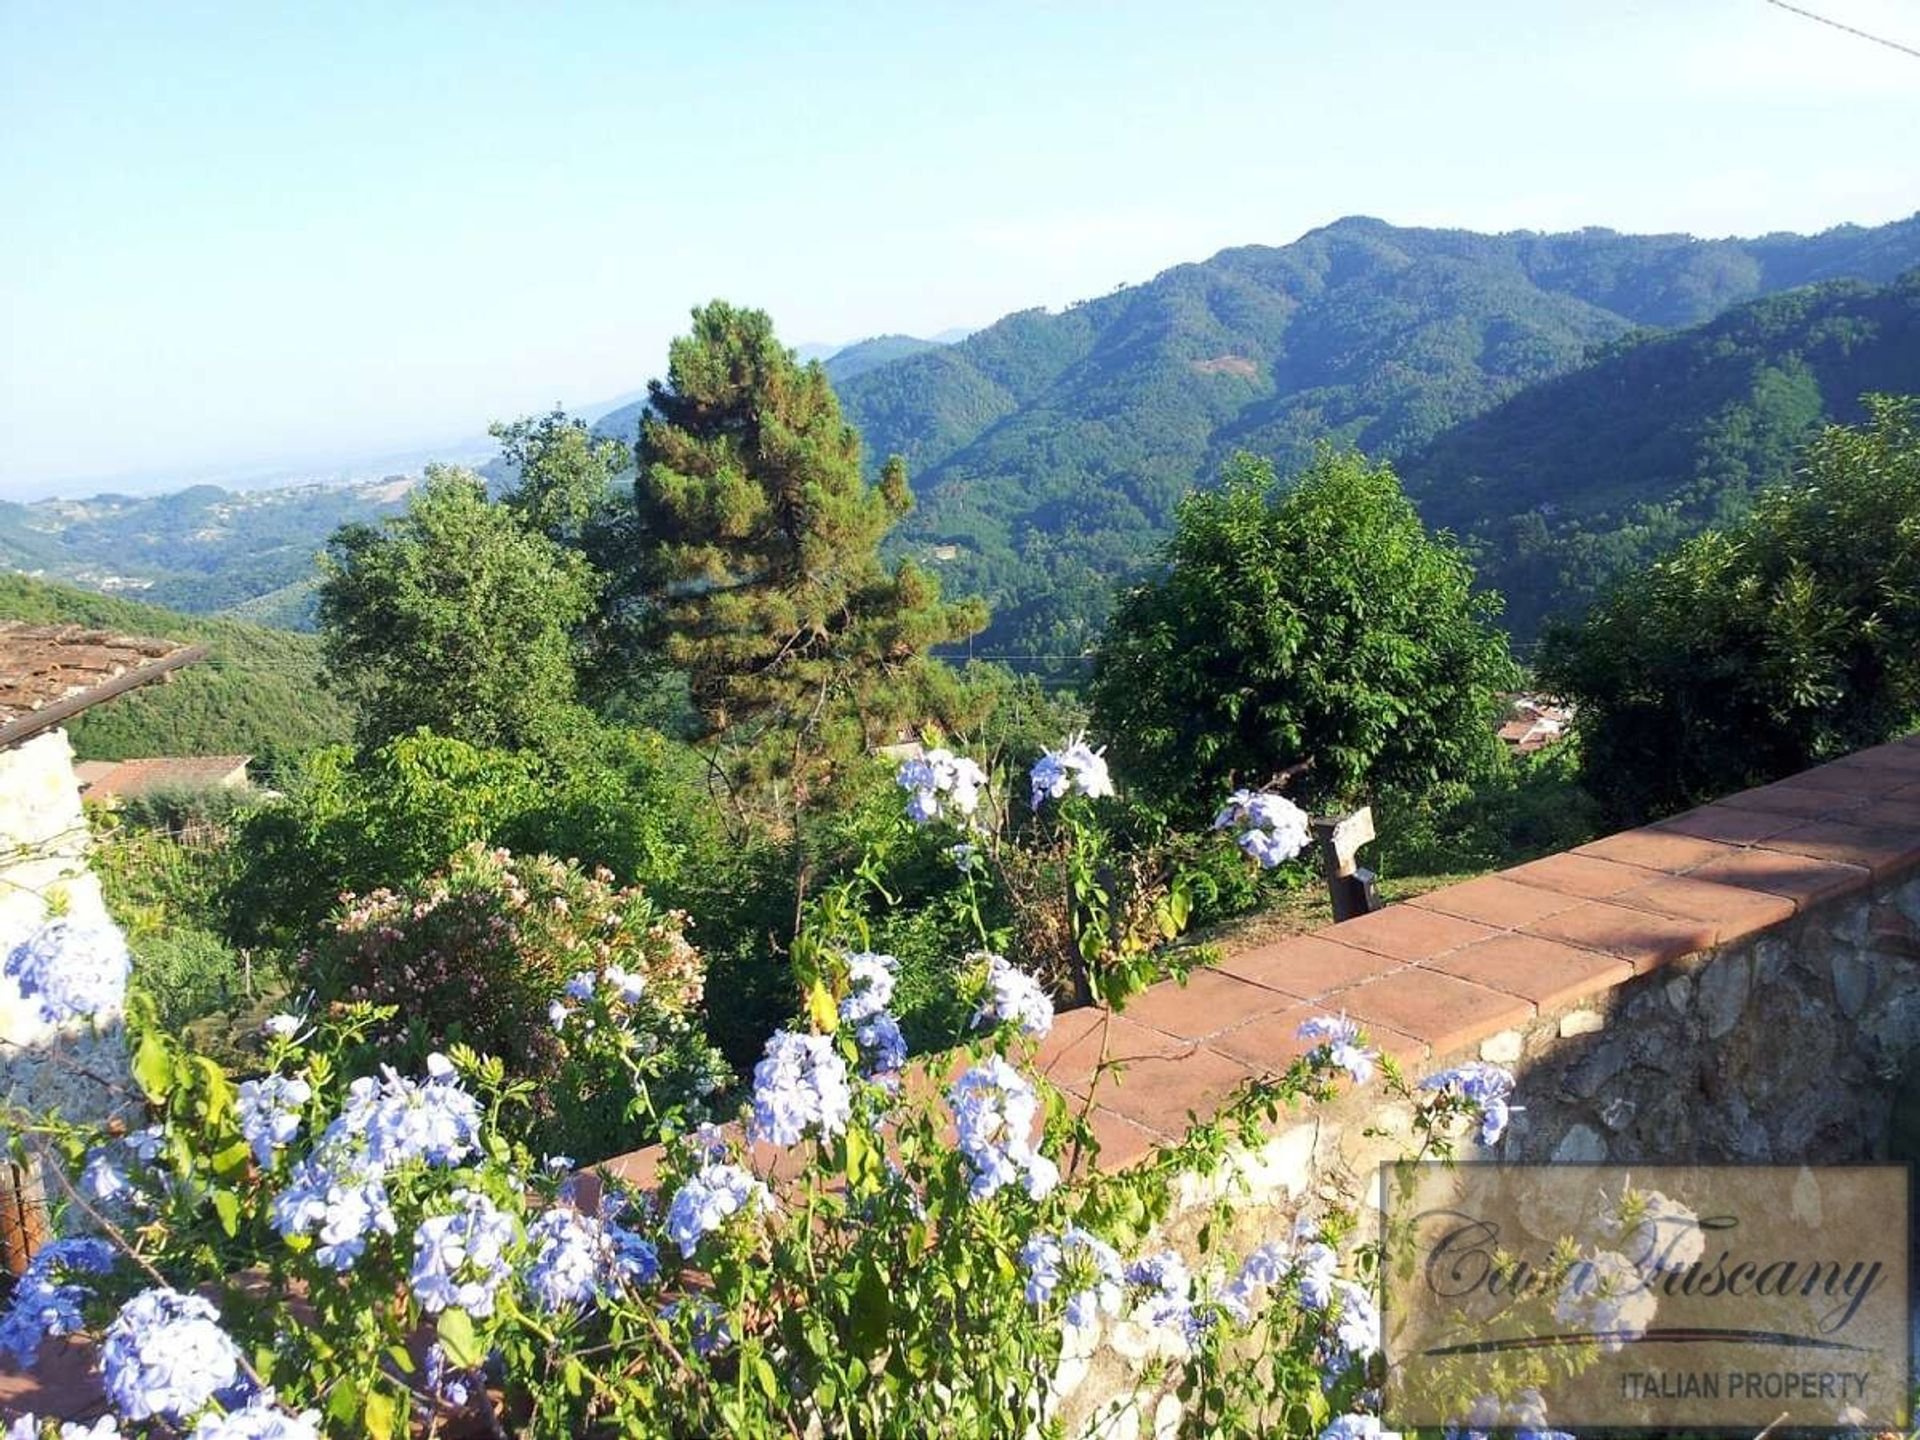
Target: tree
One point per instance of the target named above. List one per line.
(760, 539)
(453, 617)
(564, 474)
(1321, 624)
(1756, 651)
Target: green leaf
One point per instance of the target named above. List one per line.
(153, 1067)
(457, 1338)
(382, 1415)
(226, 1205)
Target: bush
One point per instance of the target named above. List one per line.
(1760, 650)
(578, 985)
(1319, 623)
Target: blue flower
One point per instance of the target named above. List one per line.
(994, 1110)
(269, 1114)
(1014, 998)
(76, 969)
(882, 1046)
(707, 1199)
(259, 1421)
(940, 783)
(800, 1085)
(1168, 1286)
(1272, 828)
(45, 1300)
(625, 984)
(1314, 1273)
(869, 985)
(578, 1259)
(1340, 1046)
(1079, 1264)
(1074, 767)
(460, 1259)
(1354, 1427)
(1486, 1086)
(579, 985)
(166, 1355)
(706, 1324)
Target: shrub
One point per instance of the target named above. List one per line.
(1758, 651)
(574, 983)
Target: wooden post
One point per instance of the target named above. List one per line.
(1349, 886)
(23, 1214)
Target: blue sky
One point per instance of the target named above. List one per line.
(263, 233)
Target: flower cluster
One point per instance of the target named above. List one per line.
(46, 1301)
(707, 1199)
(460, 1259)
(1166, 1287)
(166, 1355)
(994, 1109)
(75, 969)
(1270, 828)
(1014, 997)
(1337, 1043)
(1486, 1086)
(870, 978)
(258, 1421)
(1075, 767)
(1525, 1416)
(1607, 1294)
(338, 1193)
(799, 1085)
(941, 783)
(1081, 1265)
(579, 1258)
(269, 1114)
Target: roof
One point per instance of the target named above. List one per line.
(100, 779)
(50, 673)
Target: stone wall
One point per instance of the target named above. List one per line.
(1734, 984)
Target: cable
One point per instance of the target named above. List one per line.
(1849, 29)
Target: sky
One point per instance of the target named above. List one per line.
(254, 235)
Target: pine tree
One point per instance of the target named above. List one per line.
(761, 538)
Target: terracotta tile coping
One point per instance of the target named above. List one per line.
(1435, 976)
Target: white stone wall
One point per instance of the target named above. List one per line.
(79, 1070)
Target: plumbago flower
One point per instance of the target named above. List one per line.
(269, 1114)
(1079, 1264)
(1486, 1086)
(461, 1258)
(47, 1300)
(1605, 1292)
(165, 1355)
(580, 1259)
(994, 1109)
(1271, 828)
(800, 1085)
(1013, 997)
(338, 1194)
(1339, 1046)
(940, 785)
(74, 969)
(25, 1427)
(259, 1421)
(1075, 768)
(710, 1197)
(870, 981)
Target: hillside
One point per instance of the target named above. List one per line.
(202, 549)
(257, 692)
(1576, 478)
(1048, 449)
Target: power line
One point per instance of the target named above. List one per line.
(1849, 29)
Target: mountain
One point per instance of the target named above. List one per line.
(1576, 478)
(257, 692)
(202, 549)
(1048, 450)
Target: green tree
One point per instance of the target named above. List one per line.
(564, 474)
(760, 538)
(454, 617)
(1317, 624)
(1756, 651)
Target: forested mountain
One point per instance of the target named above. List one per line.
(1048, 449)
(201, 549)
(1576, 478)
(257, 692)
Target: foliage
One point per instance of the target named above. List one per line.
(256, 693)
(1320, 624)
(1524, 807)
(1050, 450)
(563, 474)
(1580, 478)
(456, 617)
(388, 818)
(760, 537)
(1764, 648)
(511, 955)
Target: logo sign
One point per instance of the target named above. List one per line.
(1573, 1297)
